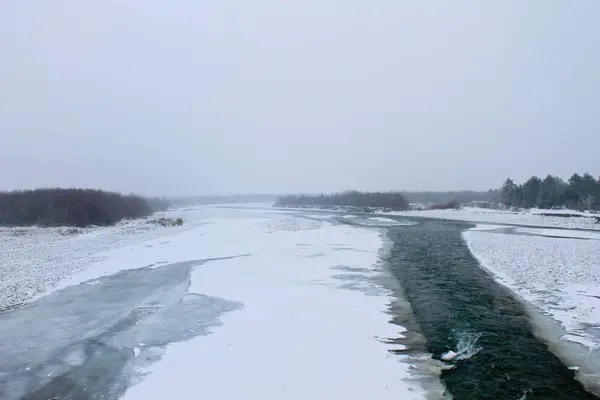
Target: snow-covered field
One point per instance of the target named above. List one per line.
(558, 275)
(297, 309)
(560, 233)
(33, 260)
(526, 217)
(533, 217)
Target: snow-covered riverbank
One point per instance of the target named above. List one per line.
(35, 260)
(560, 276)
(533, 217)
(300, 311)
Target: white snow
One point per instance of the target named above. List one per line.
(321, 216)
(314, 322)
(466, 347)
(34, 260)
(363, 219)
(560, 277)
(449, 355)
(487, 227)
(383, 221)
(531, 217)
(525, 217)
(562, 211)
(307, 329)
(569, 233)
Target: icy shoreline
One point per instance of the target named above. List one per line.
(533, 217)
(559, 281)
(34, 261)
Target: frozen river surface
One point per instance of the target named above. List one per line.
(255, 303)
(235, 304)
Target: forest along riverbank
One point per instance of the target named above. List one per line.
(472, 322)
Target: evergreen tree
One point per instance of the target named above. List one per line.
(531, 192)
(579, 192)
(508, 193)
(573, 192)
(589, 191)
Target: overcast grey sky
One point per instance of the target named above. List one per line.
(192, 97)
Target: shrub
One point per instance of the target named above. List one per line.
(445, 206)
(167, 222)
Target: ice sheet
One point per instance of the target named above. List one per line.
(313, 318)
(363, 219)
(307, 330)
(85, 340)
(321, 216)
(34, 261)
(390, 222)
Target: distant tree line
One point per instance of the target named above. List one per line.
(158, 203)
(461, 197)
(73, 207)
(221, 199)
(580, 192)
(352, 198)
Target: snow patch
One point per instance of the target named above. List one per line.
(487, 227)
(321, 216)
(525, 217)
(559, 277)
(392, 222)
(568, 233)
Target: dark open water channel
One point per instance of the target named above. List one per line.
(460, 307)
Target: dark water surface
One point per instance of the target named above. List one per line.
(459, 307)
